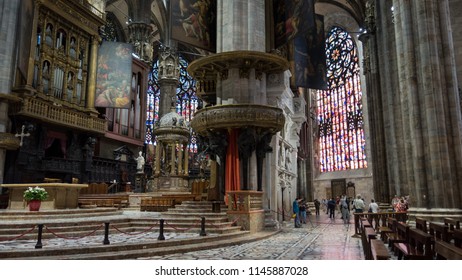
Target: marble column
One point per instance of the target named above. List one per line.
(92, 74)
(374, 105)
(429, 103)
(9, 11)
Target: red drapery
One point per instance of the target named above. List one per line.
(232, 174)
(52, 135)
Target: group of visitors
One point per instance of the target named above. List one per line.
(400, 204)
(342, 204)
(299, 207)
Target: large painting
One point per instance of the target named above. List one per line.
(291, 18)
(296, 24)
(194, 22)
(114, 75)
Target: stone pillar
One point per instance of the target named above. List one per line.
(8, 48)
(429, 104)
(172, 158)
(186, 160)
(374, 105)
(180, 159)
(240, 25)
(158, 159)
(92, 68)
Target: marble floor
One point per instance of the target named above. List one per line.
(320, 238)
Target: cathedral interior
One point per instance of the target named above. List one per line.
(265, 100)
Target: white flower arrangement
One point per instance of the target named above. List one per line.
(35, 193)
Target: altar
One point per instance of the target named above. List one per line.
(60, 195)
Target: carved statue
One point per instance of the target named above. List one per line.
(140, 163)
(147, 51)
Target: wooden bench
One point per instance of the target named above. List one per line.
(386, 229)
(418, 246)
(103, 200)
(453, 224)
(179, 198)
(421, 224)
(399, 233)
(447, 251)
(457, 236)
(439, 231)
(378, 250)
(367, 234)
(156, 204)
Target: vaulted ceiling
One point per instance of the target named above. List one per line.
(155, 13)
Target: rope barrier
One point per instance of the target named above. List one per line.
(19, 236)
(182, 229)
(134, 233)
(75, 237)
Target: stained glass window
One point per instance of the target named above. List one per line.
(339, 108)
(186, 104)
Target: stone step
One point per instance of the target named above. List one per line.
(137, 250)
(50, 233)
(73, 229)
(21, 215)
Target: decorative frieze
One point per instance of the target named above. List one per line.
(229, 116)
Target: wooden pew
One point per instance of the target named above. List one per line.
(447, 251)
(457, 236)
(179, 198)
(439, 231)
(156, 204)
(399, 234)
(385, 229)
(103, 200)
(421, 224)
(418, 247)
(378, 250)
(367, 234)
(453, 224)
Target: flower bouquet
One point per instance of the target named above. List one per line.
(35, 193)
(34, 197)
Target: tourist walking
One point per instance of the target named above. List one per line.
(373, 207)
(302, 211)
(345, 209)
(331, 207)
(296, 212)
(317, 205)
(359, 204)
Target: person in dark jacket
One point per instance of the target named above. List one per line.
(317, 205)
(331, 207)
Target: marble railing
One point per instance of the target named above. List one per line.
(245, 201)
(48, 112)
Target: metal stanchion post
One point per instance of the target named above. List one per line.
(203, 227)
(106, 234)
(39, 237)
(161, 230)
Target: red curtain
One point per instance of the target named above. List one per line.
(232, 175)
(52, 135)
